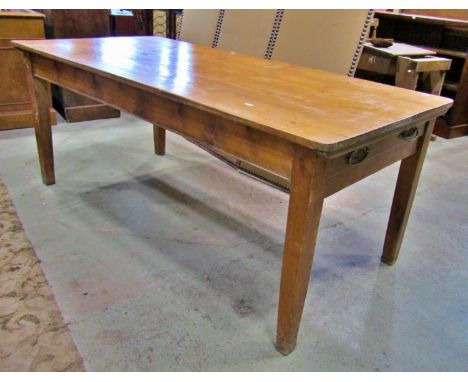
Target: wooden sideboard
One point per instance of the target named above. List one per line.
(15, 104)
(73, 23)
(448, 37)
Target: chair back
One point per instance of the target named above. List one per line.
(331, 40)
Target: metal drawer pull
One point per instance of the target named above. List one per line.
(410, 135)
(357, 156)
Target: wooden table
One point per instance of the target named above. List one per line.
(319, 130)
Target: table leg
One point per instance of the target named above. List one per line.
(405, 77)
(41, 103)
(407, 182)
(159, 140)
(433, 82)
(305, 208)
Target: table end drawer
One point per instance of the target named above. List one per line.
(368, 158)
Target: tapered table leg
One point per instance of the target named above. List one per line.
(407, 182)
(159, 140)
(41, 104)
(305, 208)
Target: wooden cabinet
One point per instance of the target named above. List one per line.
(131, 22)
(446, 33)
(15, 104)
(78, 23)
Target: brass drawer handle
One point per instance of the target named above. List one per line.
(357, 156)
(410, 135)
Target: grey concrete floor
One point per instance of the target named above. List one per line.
(173, 263)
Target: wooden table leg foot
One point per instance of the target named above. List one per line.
(405, 190)
(389, 262)
(48, 182)
(46, 154)
(285, 350)
(305, 207)
(159, 140)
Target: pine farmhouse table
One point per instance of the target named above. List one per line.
(320, 131)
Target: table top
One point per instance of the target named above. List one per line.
(400, 49)
(314, 108)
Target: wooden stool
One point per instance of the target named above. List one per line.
(406, 63)
(432, 69)
(433, 73)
